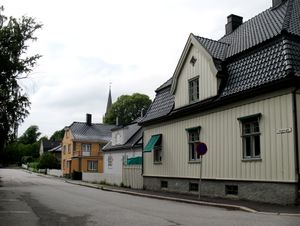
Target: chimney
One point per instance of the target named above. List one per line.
(276, 3)
(233, 22)
(89, 119)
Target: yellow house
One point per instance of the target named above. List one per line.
(82, 146)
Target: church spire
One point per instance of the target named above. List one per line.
(109, 102)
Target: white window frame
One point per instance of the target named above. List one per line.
(250, 134)
(86, 149)
(193, 89)
(193, 139)
(92, 165)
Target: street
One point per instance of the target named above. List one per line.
(30, 199)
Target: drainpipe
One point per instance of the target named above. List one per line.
(296, 142)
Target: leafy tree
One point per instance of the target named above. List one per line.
(15, 64)
(30, 136)
(58, 135)
(48, 161)
(127, 108)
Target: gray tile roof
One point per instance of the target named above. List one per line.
(261, 51)
(135, 136)
(93, 133)
(263, 27)
(216, 49)
(162, 104)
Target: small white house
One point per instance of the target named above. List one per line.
(124, 148)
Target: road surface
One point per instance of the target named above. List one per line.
(30, 199)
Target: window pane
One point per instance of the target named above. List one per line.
(255, 127)
(247, 128)
(247, 146)
(257, 146)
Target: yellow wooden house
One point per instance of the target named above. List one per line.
(82, 146)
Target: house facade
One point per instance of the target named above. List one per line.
(240, 96)
(82, 146)
(124, 148)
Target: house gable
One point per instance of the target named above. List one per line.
(195, 62)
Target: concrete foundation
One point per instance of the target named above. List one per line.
(268, 192)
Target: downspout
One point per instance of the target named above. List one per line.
(143, 154)
(296, 142)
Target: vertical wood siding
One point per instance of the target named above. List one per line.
(221, 131)
(298, 125)
(202, 69)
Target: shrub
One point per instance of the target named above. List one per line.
(48, 161)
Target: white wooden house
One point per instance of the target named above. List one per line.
(240, 95)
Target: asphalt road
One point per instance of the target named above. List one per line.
(29, 199)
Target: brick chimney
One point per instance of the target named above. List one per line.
(233, 22)
(89, 119)
(276, 3)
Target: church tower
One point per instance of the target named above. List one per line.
(109, 102)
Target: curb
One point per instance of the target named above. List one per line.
(220, 205)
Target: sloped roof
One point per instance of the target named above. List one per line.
(135, 136)
(95, 132)
(263, 27)
(261, 51)
(162, 104)
(49, 144)
(216, 49)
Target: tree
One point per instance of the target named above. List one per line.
(30, 136)
(127, 108)
(15, 64)
(58, 135)
(48, 161)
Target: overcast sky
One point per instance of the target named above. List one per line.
(133, 44)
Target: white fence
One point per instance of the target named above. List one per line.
(132, 176)
(113, 179)
(54, 172)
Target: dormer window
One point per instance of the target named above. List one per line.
(193, 90)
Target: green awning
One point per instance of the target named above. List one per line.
(152, 142)
(135, 161)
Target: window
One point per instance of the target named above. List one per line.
(193, 90)
(231, 190)
(164, 184)
(64, 149)
(157, 154)
(74, 148)
(193, 187)
(155, 144)
(69, 148)
(193, 139)
(251, 136)
(92, 165)
(109, 161)
(86, 149)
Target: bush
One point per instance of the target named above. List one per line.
(27, 159)
(48, 161)
(34, 166)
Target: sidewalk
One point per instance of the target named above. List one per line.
(248, 206)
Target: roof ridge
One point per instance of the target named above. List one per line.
(212, 40)
(287, 17)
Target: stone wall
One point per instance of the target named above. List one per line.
(268, 192)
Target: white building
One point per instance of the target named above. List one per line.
(239, 95)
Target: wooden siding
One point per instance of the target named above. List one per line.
(203, 69)
(220, 130)
(298, 124)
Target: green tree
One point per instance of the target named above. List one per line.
(127, 108)
(15, 64)
(48, 161)
(58, 135)
(30, 136)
